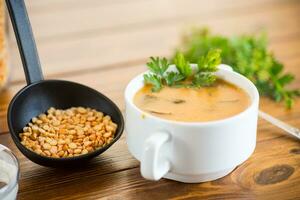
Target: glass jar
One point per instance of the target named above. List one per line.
(4, 68)
(9, 174)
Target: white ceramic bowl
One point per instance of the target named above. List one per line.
(191, 151)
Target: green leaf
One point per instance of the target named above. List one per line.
(286, 79)
(210, 61)
(289, 102)
(154, 80)
(173, 78)
(182, 65)
(276, 69)
(203, 79)
(158, 65)
(277, 96)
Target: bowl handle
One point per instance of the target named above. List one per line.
(154, 164)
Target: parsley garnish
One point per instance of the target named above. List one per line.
(183, 66)
(246, 54)
(154, 80)
(184, 76)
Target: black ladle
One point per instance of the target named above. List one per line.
(39, 94)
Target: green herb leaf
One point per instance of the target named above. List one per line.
(210, 61)
(286, 79)
(173, 78)
(182, 65)
(158, 66)
(276, 69)
(203, 79)
(154, 80)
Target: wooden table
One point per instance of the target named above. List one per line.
(104, 44)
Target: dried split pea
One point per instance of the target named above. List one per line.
(68, 133)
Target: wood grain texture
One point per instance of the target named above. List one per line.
(115, 174)
(104, 44)
(90, 49)
(86, 18)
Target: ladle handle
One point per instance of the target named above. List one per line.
(25, 40)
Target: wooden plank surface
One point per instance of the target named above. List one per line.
(106, 43)
(90, 49)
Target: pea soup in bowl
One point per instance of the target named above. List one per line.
(192, 134)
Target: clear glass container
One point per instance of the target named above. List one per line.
(9, 174)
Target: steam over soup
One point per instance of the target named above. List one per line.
(219, 101)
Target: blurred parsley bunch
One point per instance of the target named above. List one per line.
(248, 55)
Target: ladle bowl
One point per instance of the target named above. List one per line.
(37, 98)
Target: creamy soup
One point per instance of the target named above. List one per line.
(219, 101)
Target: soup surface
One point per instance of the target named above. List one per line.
(218, 101)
